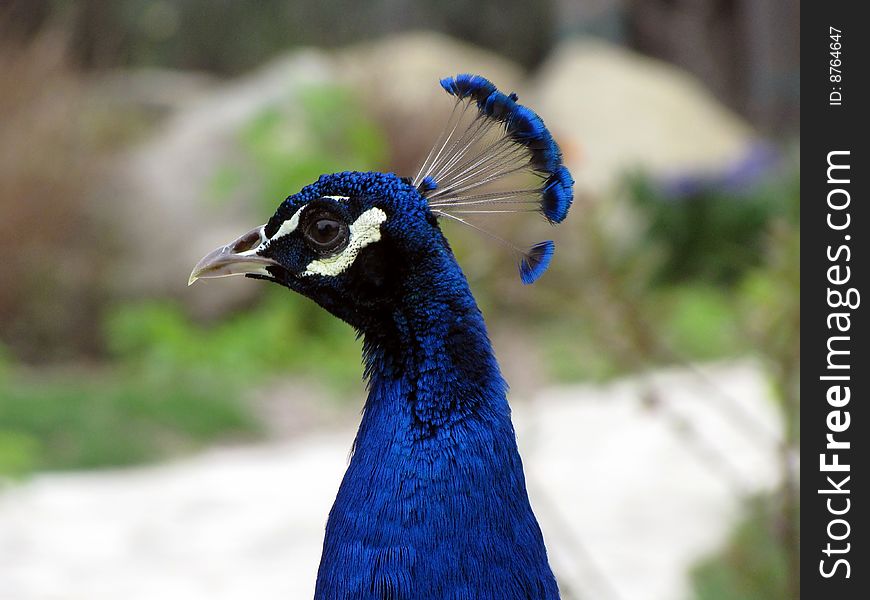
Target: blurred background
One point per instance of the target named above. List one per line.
(164, 441)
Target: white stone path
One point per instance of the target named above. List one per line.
(626, 497)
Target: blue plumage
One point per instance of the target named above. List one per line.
(536, 261)
(433, 505)
(558, 195)
(428, 184)
(463, 86)
(500, 139)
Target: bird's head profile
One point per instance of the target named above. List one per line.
(434, 502)
(345, 241)
(353, 241)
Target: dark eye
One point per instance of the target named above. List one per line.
(326, 233)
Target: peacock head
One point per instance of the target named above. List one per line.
(350, 240)
(346, 239)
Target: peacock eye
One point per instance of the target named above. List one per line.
(325, 233)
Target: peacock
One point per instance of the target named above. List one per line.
(433, 504)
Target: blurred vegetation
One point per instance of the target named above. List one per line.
(167, 384)
(673, 280)
(713, 227)
(46, 163)
(170, 385)
(335, 135)
(740, 249)
(126, 415)
(672, 275)
(229, 37)
(753, 565)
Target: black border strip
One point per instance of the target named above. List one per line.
(833, 254)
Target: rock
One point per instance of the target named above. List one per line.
(613, 111)
(398, 77)
(154, 90)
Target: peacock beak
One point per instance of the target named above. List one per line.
(239, 257)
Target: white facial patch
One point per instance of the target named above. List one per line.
(364, 231)
(290, 225)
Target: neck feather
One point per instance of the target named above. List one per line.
(436, 348)
(434, 499)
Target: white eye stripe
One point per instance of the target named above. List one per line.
(290, 225)
(364, 231)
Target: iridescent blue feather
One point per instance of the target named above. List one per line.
(536, 261)
(489, 138)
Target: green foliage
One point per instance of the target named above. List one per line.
(110, 419)
(701, 321)
(285, 333)
(571, 353)
(753, 563)
(174, 384)
(701, 277)
(728, 281)
(770, 305)
(325, 132)
(713, 234)
(171, 384)
(692, 321)
(18, 453)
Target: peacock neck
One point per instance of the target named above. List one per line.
(435, 348)
(434, 495)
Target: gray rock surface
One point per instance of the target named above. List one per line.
(613, 110)
(398, 77)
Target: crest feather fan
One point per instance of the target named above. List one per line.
(491, 138)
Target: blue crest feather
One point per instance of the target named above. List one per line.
(463, 86)
(427, 185)
(536, 261)
(558, 195)
(488, 138)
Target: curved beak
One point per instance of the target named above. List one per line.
(239, 257)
